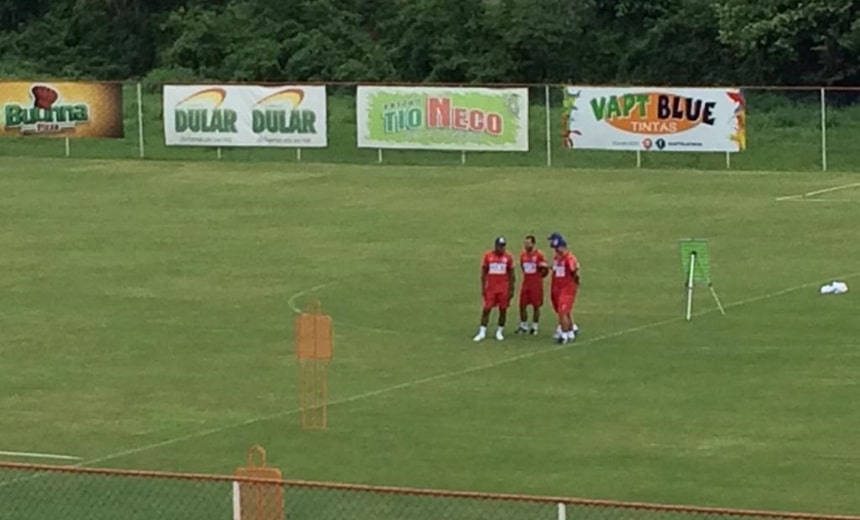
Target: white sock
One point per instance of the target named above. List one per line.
(534, 326)
(524, 325)
(482, 330)
(568, 334)
(500, 330)
(575, 327)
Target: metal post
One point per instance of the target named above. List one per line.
(141, 147)
(823, 130)
(548, 127)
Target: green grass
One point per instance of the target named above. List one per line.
(784, 134)
(144, 302)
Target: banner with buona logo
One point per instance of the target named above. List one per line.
(62, 109)
(657, 119)
(240, 115)
(439, 118)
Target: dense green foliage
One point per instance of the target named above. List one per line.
(659, 41)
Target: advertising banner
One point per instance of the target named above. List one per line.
(655, 119)
(60, 109)
(245, 115)
(440, 118)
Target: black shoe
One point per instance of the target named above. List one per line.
(533, 332)
(521, 331)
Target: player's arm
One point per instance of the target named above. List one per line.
(574, 271)
(484, 270)
(512, 279)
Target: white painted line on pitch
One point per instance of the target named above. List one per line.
(447, 375)
(292, 301)
(829, 201)
(30, 455)
(818, 192)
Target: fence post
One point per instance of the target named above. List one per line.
(638, 158)
(68, 144)
(562, 511)
(463, 157)
(140, 120)
(379, 155)
(548, 107)
(823, 130)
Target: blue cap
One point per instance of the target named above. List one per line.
(557, 242)
(500, 241)
(555, 235)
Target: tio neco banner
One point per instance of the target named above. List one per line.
(61, 109)
(283, 116)
(661, 119)
(438, 118)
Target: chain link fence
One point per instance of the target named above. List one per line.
(73, 493)
(800, 129)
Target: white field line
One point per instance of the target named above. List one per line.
(827, 201)
(292, 303)
(818, 192)
(31, 455)
(438, 377)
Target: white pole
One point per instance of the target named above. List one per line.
(728, 160)
(237, 502)
(823, 130)
(219, 153)
(548, 126)
(462, 156)
(68, 147)
(690, 286)
(140, 120)
(638, 158)
(562, 512)
(379, 156)
(298, 154)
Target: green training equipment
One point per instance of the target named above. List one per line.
(696, 264)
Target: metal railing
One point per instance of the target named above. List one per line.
(76, 493)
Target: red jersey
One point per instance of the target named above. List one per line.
(565, 275)
(530, 263)
(498, 268)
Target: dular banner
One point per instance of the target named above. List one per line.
(60, 109)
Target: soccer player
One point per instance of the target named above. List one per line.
(565, 285)
(497, 286)
(534, 268)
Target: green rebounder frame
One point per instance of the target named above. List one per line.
(696, 263)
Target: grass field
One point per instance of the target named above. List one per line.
(147, 315)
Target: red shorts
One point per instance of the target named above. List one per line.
(531, 295)
(563, 301)
(495, 298)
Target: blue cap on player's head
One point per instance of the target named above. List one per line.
(555, 235)
(500, 241)
(557, 242)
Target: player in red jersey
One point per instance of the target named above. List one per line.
(565, 285)
(534, 268)
(497, 286)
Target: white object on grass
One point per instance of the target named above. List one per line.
(834, 288)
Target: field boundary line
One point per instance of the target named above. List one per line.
(449, 375)
(818, 192)
(36, 455)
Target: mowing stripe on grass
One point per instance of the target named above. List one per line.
(430, 379)
(449, 375)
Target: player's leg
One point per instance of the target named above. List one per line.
(565, 309)
(502, 302)
(485, 319)
(524, 310)
(554, 299)
(537, 303)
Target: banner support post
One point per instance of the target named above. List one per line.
(547, 108)
(68, 144)
(823, 131)
(298, 154)
(379, 155)
(638, 158)
(728, 160)
(218, 152)
(141, 146)
(463, 157)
